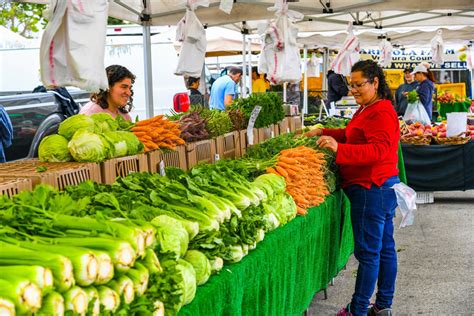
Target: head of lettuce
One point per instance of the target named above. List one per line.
(71, 125)
(53, 148)
(87, 147)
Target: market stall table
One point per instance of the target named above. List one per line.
(445, 108)
(285, 271)
(439, 167)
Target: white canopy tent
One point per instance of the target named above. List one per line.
(327, 15)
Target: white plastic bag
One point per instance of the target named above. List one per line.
(406, 199)
(416, 113)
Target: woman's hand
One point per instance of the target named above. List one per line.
(314, 132)
(327, 142)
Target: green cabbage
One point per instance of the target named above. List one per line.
(68, 127)
(189, 280)
(119, 145)
(171, 236)
(104, 122)
(53, 148)
(87, 147)
(201, 265)
(134, 145)
(108, 146)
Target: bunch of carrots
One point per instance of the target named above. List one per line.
(158, 133)
(303, 170)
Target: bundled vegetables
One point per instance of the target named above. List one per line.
(272, 108)
(238, 119)
(158, 133)
(217, 122)
(193, 127)
(302, 168)
(89, 139)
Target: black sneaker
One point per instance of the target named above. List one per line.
(374, 311)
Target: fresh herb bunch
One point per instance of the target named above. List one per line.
(412, 96)
(217, 122)
(238, 119)
(272, 108)
(193, 127)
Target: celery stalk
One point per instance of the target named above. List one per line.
(140, 276)
(105, 269)
(124, 287)
(94, 301)
(43, 277)
(109, 299)
(83, 260)
(159, 308)
(60, 265)
(7, 307)
(53, 305)
(75, 300)
(122, 253)
(151, 261)
(23, 293)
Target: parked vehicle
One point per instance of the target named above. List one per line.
(36, 115)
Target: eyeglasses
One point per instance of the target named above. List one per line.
(358, 85)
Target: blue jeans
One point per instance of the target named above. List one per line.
(372, 212)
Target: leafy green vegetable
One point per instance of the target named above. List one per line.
(119, 145)
(87, 147)
(71, 125)
(201, 265)
(172, 237)
(41, 169)
(104, 122)
(217, 122)
(272, 108)
(53, 148)
(412, 96)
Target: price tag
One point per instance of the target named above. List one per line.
(162, 168)
(287, 130)
(217, 157)
(253, 118)
(273, 134)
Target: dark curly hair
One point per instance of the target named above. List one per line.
(370, 70)
(115, 73)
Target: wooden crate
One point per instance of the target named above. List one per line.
(284, 126)
(244, 144)
(276, 130)
(10, 186)
(295, 123)
(228, 145)
(200, 152)
(122, 166)
(57, 174)
(175, 158)
(265, 133)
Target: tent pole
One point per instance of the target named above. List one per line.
(305, 83)
(472, 83)
(148, 70)
(250, 64)
(325, 68)
(285, 86)
(244, 67)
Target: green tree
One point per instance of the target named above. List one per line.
(22, 18)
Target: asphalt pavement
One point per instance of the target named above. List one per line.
(435, 262)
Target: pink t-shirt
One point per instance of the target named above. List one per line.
(91, 108)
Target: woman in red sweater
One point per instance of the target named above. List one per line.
(366, 153)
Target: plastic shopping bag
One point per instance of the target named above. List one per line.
(416, 113)
(406, 199)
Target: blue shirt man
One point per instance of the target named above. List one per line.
(401, 100)
(224, 89)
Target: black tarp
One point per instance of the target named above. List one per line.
(440, 167)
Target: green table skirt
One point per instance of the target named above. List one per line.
(445, 108)
(285, 271)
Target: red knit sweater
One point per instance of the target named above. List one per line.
(367, 150)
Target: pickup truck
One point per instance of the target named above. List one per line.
(36, 115)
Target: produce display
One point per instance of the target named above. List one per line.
(89, 139)
(217, 122)
(272, 108)
(419, 134)
(158, 133)
(143, 245)
(328, 122)
(193, 127)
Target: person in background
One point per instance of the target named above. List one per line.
(367, 156)
(401, 101)
(426, 87)
(6, 132)
(195, 96)
(267, 82)
(224, 89)
(337, 87)
(258, 84)
(118, 98)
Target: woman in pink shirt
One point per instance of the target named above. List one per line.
(118, 98)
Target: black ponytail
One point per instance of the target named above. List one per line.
(370, 70)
